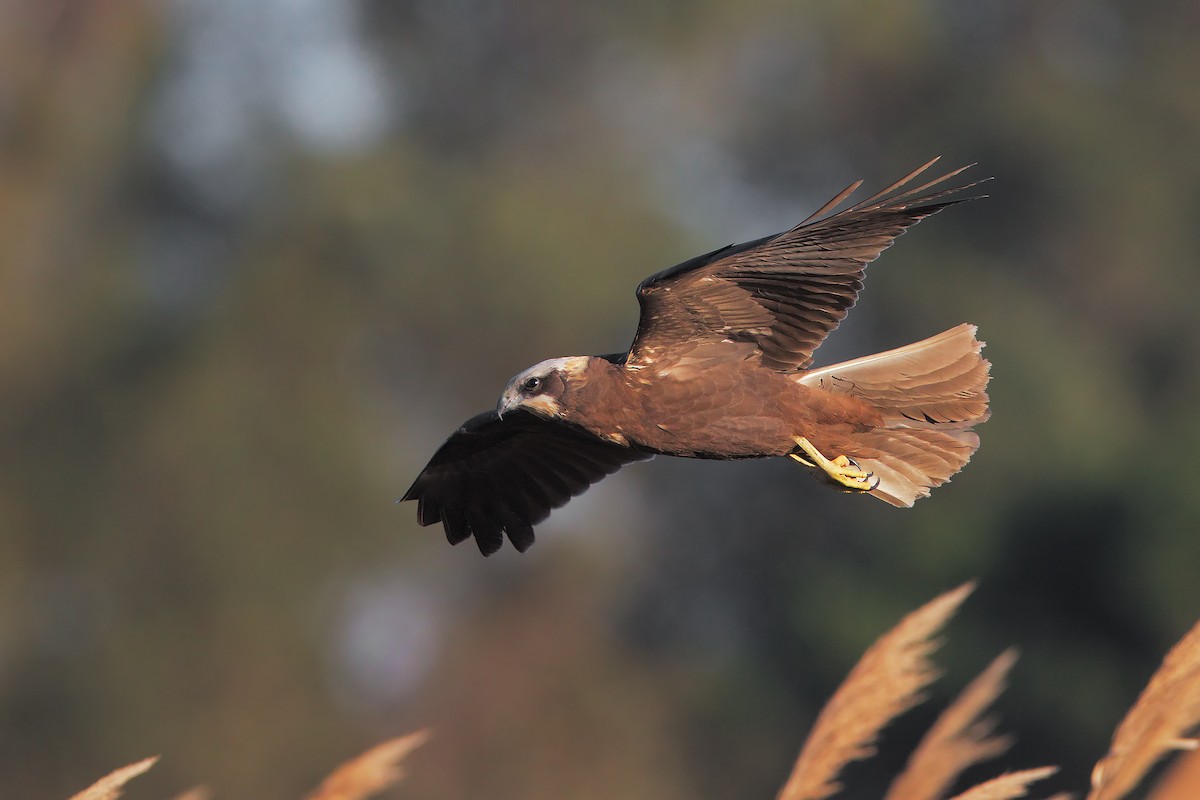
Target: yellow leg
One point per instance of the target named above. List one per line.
(841, 470)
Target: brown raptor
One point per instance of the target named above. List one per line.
(721, 368)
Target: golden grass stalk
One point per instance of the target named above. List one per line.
(1181, 782)
(1166, 711)
(885, 683)
(375, 770)
(958, 740)
(1007, 787)
(109, 787)
(196, 793)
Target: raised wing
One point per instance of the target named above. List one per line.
(504, 475)
(783, 294)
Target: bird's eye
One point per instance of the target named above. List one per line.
(532, 385)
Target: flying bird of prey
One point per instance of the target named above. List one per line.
(720, 368)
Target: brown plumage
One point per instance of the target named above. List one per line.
(720, 368)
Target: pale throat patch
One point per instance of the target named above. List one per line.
(546, 406)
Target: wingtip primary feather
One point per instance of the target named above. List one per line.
(521, 536)
(832, 204)
(885, 192)
(892, 198)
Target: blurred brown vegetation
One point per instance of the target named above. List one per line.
(256, 260)
(888, 681)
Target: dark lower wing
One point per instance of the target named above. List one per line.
(498, 476)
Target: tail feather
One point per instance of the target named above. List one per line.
(909, 463)
(930, 394)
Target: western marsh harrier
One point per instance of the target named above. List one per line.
(721, 368)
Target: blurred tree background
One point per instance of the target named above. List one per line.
(258, 259)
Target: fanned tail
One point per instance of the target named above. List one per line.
(931, 394)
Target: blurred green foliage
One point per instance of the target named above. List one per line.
(256, 260)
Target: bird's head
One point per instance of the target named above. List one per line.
(540, 388)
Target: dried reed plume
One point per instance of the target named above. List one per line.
(196, 793)
(1182, 781)
(1007, 787)
(886, 682)
(109, 787)
(958, 740)
(372, 772)
(1159, 722)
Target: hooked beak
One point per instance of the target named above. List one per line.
(508, 401)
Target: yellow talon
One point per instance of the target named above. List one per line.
(841, 469)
